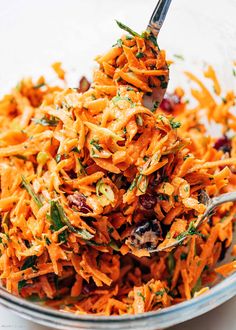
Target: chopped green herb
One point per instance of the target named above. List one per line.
(164, 84)
(96, 145)
(176, 198)
(128, 37)
(56, 220)
(149, 36)
(163, 197)
(197, 286)
(127, 29)
(119, 43)
(161, 78)
(75, 149)
(119, 98)
(186, 157)
(21, 285)
(130, 88)
(165, 178)
(93, 154)
(141, 295)
(35, 298)
(29, 262)
(186, 188)
(206, 268)
(174, 124)
(110, 230)
(124, 130)
(81, 167)
(31, 192)
(224, 100)
(192, 230)
(160, 293)
(46, 121)
(155, 106)
(58, 158)
(234, 72)
(39, 86)
(183, 256)
(48, 242)
(170, 263)
(140, 55)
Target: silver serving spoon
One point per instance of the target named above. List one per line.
(211, 204)
(154, 25)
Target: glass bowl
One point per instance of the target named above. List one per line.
(36, 34)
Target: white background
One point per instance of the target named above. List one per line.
(34, 34)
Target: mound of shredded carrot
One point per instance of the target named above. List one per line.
(81, 170)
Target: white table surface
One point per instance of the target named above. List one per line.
(31, 44)
(221, 318)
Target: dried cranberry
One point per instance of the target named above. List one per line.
(147, 201)
(169, 102)
(84, 85)
(72, 174)
(79, 201)
(223, 144)
(166, 105)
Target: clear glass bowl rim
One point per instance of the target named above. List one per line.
(226, 287)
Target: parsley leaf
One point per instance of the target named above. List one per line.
(174, 124)
(29, 262)
(96, 145)
(141, 295)
(140, 55)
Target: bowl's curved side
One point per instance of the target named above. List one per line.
(149, 321)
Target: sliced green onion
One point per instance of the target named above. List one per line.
(31, 192)
(105, 189)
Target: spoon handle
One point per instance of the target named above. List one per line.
(158, 16)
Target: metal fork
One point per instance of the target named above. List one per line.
(211, 205)
(154, 25)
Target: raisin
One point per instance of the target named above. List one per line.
(147, 201)
(223, 144)
(79, 202)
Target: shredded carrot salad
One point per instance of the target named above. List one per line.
(80, 170)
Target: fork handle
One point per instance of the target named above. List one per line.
(224, 198)
(216, 201)
(158, 16)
